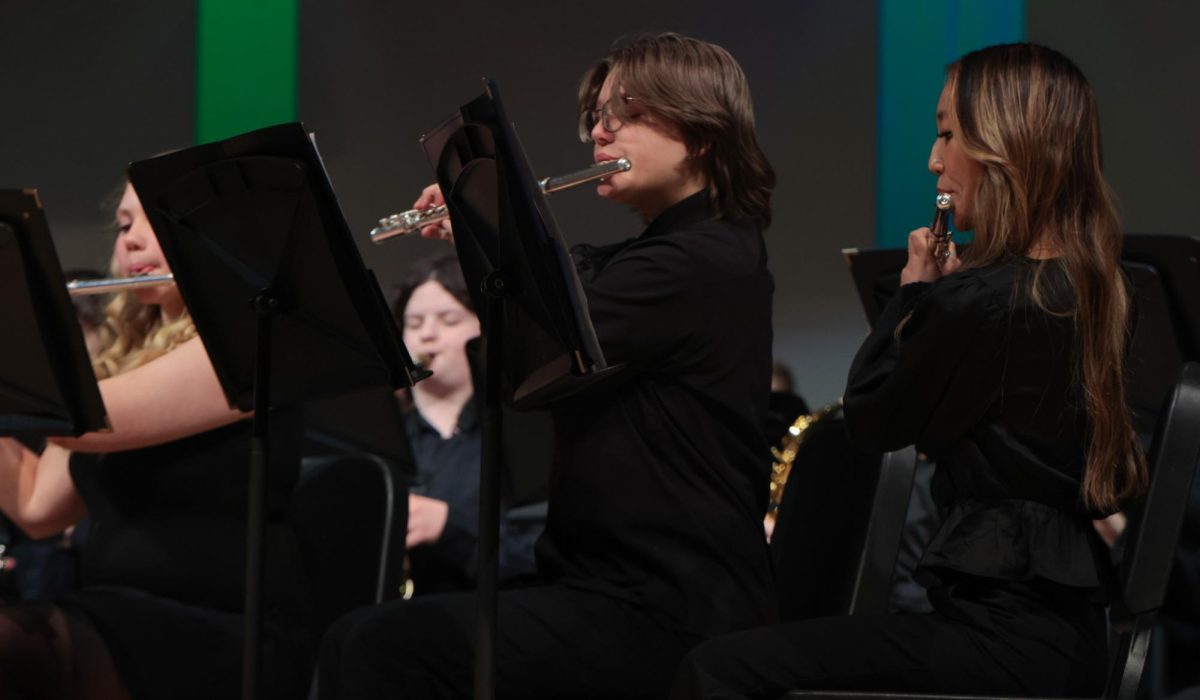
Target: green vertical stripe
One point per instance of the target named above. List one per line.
(246, 65)
(917, 38)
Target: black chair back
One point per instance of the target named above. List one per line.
(881, 545)
(1152, 537)
(1153, 531)
(839, 525)
(349, 513)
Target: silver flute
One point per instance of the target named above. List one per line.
(414, 220)
(940, 228)
(78, 288)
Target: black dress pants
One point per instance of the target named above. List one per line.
(552, 642)
(996, 638)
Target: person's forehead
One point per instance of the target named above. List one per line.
(605, 87)
(128, 202)
(432, 297)
(945, 104)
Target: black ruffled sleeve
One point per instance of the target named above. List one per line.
(929, 369)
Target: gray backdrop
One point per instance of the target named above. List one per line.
(87, 87)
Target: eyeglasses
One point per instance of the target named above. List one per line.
(604, 117)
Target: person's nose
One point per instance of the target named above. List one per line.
(132, 239)
(600, 135)
(428, 330)
(936, 166)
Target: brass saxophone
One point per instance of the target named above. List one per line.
(785, 455)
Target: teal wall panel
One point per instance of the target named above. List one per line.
(917, 38)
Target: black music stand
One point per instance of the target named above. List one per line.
(47, 387)
(539, 343)
(363, 422)
(1164, 272)
(278, 292)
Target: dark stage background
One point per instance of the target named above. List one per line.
(87, 87)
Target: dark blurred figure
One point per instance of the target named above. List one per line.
(786, 405)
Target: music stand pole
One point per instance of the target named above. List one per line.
(489, 491)
(260, 452)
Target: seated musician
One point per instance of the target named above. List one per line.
(444, 429)
(654, 537)
(1006, 367)
(159, 613)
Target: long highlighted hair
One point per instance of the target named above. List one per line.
(1027, 114)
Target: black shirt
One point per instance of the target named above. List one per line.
(448, 470)
(978, 375)
(661, 480)
(170, 521)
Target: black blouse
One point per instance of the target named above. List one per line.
(979, 375)
(448, 470)
(171, 519)
(661, 481)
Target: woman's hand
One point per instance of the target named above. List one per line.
(1110, 528)
(426, 520)
(921, 266)
(36, 491)
(431, 197)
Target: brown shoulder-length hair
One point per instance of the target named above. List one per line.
(701, 90)
(1027, 114)
(443, 269)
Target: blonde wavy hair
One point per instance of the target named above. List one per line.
(136, 335)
